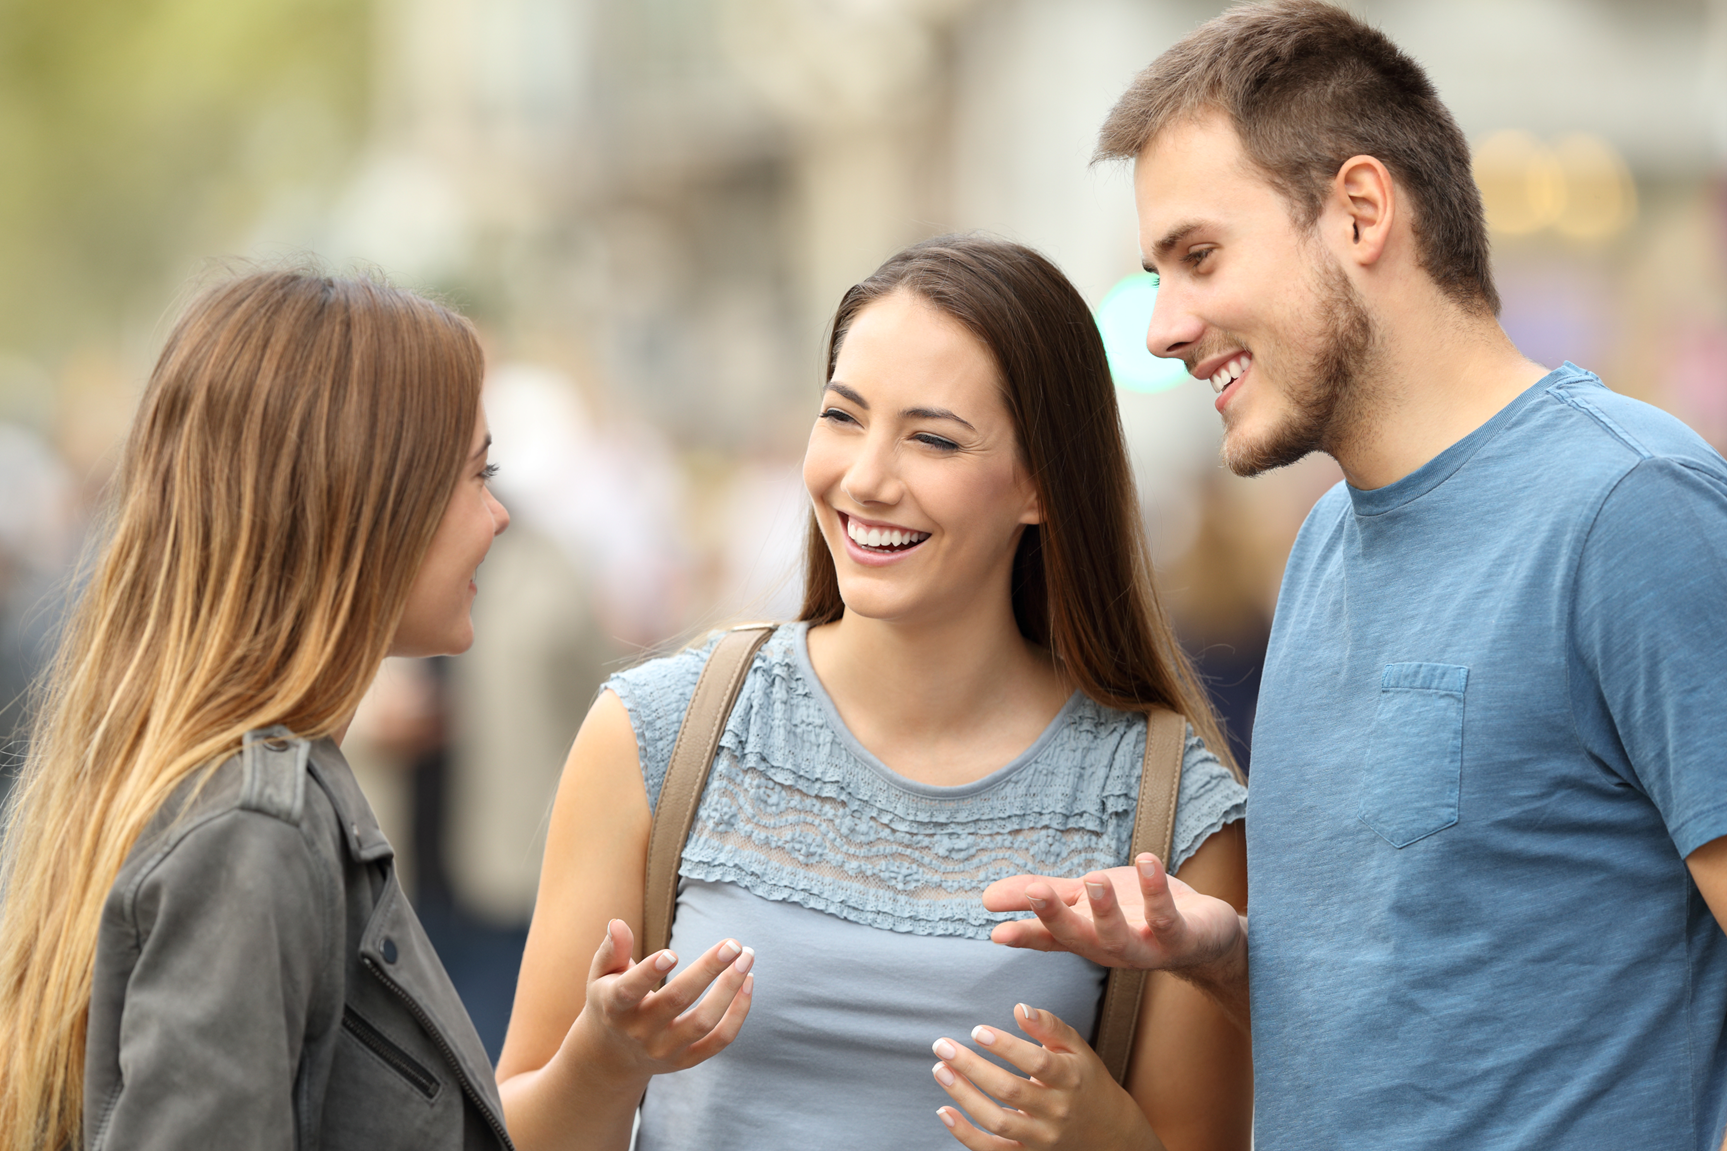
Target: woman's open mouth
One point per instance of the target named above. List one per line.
(881, 539)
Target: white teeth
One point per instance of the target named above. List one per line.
(1230, 373)
(883, 537)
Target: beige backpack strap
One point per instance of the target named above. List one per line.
(1153, 831)
(692, 755)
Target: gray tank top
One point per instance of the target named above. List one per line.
(860, 891)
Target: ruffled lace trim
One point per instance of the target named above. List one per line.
(794, 812)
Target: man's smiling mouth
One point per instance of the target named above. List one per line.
(1231, 372)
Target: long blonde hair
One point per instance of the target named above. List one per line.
(290, 460)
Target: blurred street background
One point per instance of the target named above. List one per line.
(651, 207)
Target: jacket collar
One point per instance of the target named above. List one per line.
(360, 828)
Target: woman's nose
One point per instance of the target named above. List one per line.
(871, 478)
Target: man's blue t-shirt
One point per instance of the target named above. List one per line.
(1492, 725)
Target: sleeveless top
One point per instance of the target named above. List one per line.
(860, 891)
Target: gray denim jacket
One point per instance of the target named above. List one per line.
(262, 982)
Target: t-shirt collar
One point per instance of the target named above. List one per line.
(1441, 467)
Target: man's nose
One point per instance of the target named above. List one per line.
(1174, 328)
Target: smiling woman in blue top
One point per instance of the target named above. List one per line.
(962, 698)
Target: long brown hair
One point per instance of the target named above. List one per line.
(290, 460)
(1082, 583)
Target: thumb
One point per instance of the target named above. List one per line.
(613, 954)
(1048, 1029)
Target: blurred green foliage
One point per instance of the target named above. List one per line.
(139, 136)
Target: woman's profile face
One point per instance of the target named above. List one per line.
(437, 619)
(913, 467)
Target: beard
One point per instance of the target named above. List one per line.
(1325, 389)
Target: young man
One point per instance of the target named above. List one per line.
(1490, 760)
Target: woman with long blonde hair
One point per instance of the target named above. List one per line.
(202, 941)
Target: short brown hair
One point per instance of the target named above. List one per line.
(1307, 85)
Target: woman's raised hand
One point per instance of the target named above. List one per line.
(632, 1031)
(1066, 1098)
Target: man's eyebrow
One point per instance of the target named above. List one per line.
(835, 386)
(1171, 238)
(936, 414)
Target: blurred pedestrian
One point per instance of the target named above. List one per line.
(965, 692)
(203, 942)
(1486, 834)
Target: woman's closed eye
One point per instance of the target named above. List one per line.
(935, 441)
(837, 416)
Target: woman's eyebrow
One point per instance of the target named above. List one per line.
(936, 414)
(483, 448)
(835, 386)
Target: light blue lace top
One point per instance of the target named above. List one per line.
(859, 890)
(796, 809)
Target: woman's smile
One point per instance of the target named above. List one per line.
(874, 543)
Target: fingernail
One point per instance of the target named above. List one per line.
(1148, 868)
(983, 1035)
(745, 961)
(945, 1049)
(945, 1117)
(665, 961)
(1095, 890)
(728, 949)
(749, 987)
(1036, 903)
(1029, 1014)
(608, 937)
(943, 1075)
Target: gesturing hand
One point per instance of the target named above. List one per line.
(1068, 1101)
(1130, 917)
(633, 1031)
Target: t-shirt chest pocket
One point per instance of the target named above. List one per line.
(1414, 752)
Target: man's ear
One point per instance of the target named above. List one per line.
(1363, 205)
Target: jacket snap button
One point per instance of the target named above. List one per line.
(276, 744)
(389, 950)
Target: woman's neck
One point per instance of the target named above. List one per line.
(941, 702)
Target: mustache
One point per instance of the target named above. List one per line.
(1211, 345)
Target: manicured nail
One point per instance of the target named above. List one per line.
(728, 949)
(945, 1117)
(983, 1035)
(1147, 868)
(1029, 1014)
(608, 937)
(749, 987)
(1095, 890)
(665, 961)
(745, 961)
(943, 1075)
(945, 1049)
(1036, 903)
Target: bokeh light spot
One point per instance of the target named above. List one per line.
(1123, 318)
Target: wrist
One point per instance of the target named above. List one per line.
(590, 1063)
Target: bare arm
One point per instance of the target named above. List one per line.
(1133, 917)
(1708, 866)
(588, 1031)
(1189, 1084)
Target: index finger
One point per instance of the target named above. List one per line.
(1010, 894)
